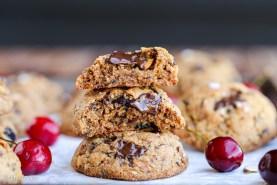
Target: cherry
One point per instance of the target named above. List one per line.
(44, 130)
(251, 85)
(224, 154)
(35, 157)
(268, 167)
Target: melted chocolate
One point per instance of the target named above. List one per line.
(147, 127)
(129, 150)
(10, 134)
(229, 101)
(136, 58)
(148, 102)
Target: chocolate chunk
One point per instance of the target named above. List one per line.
(109, 140)
(142, 60)
(269, 90)
(197, 68)
(128, 150)
(229, 101)
(10, 134)
(148, 102)
(122, 101)
(147, 127)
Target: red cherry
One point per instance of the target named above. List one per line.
(44, 130)
(35, 157)
(268, 167)
(224, 154)
(251, 85)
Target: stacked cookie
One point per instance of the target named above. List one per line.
(126, 119)
(9, 163)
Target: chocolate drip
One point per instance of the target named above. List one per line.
(229, 101)
(129, 150)
(142, 60)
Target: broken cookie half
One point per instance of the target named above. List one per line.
(124, 109)
(152, 66)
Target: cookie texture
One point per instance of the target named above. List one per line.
(10, 165)
(131, 156)
(6, 102)
(197, 67)
(124, 109)
(67, 113)
(145, 67)
(33, 95)
(228, 110)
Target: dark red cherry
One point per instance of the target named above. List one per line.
(251, 85)
(35, 157)
(268, 167)
(224, 154)
(44, 130)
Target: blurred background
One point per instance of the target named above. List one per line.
(60, 38)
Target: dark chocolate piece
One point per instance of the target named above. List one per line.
(128, 150)
(148, 102)
(142, 60)
(229, 101)
(10, 134)
(147, 127)
(197, 68)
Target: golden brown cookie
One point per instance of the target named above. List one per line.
(197, 67)
(145, 67)
(67, 113)
(131, 156)
(124, 109)
(9, 165)
(234, 110)
(33, 95)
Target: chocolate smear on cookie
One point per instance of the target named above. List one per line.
(128, 150)
(142, 60)
(229, 101)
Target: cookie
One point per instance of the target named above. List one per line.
(196, 68)
(7, 129)
(124, 109)
(33, 95)
(131, 156)
(67, 113)
(6, 103)
(145, 67)
(45, 94)
(10, 165)
(228, 110)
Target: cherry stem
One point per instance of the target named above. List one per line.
(9, 141)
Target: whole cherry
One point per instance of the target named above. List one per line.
(224, 154)
(44, 130)
(35, 157)
(268, 167)
(251, 85)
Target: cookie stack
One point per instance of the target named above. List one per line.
(126, 119)
(10, 167)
